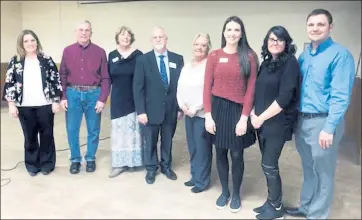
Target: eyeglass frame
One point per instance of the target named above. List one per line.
(278, 41)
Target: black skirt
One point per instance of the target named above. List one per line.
(226, 114)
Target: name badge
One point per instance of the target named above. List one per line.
(223, 60)
(172, 65)
(115, 59)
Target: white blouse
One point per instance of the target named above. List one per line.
(33, 94)
(191, 86)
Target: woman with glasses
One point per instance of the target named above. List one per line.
(274, 113)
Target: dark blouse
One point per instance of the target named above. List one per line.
(281, 85)
(121, 71)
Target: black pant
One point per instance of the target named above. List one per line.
(38, 120)
(151, 133)
(271, 148)
(237, 169)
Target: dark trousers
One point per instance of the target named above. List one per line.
(39, 154)
(200, 151)
(237, 169)
(271, 148)
(151, 133)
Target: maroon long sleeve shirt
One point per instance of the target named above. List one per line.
(85, 66)
(222, 78)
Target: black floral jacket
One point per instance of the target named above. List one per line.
(13, 87)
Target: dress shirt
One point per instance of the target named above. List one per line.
(85, 66)
(165, 59)
(327, 81)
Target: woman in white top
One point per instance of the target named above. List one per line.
(32, 89)
(190, 100)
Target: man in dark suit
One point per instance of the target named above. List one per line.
(154, 89)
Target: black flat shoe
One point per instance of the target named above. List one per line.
(294, 211)
(32, 174)
(196, 189)
(45, 172)
(189, 183)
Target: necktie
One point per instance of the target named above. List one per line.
(163, 71)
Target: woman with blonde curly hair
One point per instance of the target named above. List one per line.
(190, 99)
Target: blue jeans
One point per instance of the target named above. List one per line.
(200, 151)
(318, 166)
(80, 102)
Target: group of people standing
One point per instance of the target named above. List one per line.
(227, 99)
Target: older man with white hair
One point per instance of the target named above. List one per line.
(154, 89)
(86, 85)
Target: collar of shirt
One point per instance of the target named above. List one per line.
(323, 46)
(158, 54)
(84, 47)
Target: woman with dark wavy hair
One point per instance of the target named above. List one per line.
(275, 111)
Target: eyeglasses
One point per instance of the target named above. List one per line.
(278, 41)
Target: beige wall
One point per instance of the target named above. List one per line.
(54, 21)
(11, 26)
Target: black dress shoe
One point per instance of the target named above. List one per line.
(189, 183)
(170, 174)
(91, 166)
(150, 177)
(294, 211)
(196, 189)
(74, 168)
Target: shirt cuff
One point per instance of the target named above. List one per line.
(55, 99)
(103, 100)
(329, 128)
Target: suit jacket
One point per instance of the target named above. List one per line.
(150, 95)
(13, 87)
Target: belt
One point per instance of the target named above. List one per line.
(82, 87)
(312, 115)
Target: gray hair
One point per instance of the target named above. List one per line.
(159, 28)
(84, 22)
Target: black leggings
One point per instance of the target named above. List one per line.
(237, 169)
(271, 148)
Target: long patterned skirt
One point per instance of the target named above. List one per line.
(127, 142)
